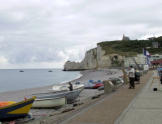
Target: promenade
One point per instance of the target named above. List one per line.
(146, 108)
(125, 106)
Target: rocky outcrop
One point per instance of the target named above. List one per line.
(72, 66)
(89, 62)
(90, 59)
(94, 59)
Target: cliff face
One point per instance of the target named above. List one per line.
(89, 62)
(103, 59)
(112, 53)
(94, 59)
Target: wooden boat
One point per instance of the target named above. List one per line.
(49, 102)
(70, 95)
(16, 110)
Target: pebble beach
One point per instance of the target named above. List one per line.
(85, 95)
(86, 76)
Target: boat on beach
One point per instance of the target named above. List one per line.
(114, 82)
(65, 87)
(14, 110)
(69, 95)
(98, 85)
(93, 84)
(49, 102)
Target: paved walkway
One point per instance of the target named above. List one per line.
(146, 108)
(108, 109)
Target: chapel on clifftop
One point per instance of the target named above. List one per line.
(125, 38)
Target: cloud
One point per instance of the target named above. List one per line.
(38, 33)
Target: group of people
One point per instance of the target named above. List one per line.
(134, 75)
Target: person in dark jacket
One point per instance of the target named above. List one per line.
(160, 74)
(70, 86)
(131, 75)
(137, 76)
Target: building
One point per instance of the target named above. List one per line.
(139, 60)
(125, 38)
(155, 57)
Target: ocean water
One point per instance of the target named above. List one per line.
(13, 79)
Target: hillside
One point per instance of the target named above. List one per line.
(131, 47)
(113, 54)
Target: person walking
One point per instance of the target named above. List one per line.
(131, 77)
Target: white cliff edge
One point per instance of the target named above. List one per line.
(94, 59)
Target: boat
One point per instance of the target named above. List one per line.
(16, 109)
(50, 71)
(6, 103)
(117, 81)
(65, 87)
(101, 88)
(70, 95)
(89, 85)
(114, 82)
(49, 102)
(97, 85)
(21, 71)
(93, 84)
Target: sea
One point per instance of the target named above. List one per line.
(16, 79)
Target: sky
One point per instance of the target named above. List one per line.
(47, 33)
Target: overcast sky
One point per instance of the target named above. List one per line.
(46, 33)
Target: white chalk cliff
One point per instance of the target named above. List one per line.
(94, 59)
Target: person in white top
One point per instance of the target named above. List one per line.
(131, 77)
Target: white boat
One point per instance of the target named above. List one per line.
(69, 95)
(49, 102)
(65, 87)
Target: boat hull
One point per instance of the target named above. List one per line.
(69, 95)
(16, 110)
(66, 87)
(98, 85)
(49, 102)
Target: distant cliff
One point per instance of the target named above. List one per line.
(112, 53)
(94, 59)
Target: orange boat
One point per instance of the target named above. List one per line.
(3, 104)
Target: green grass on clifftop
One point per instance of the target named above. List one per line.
(131, 47)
